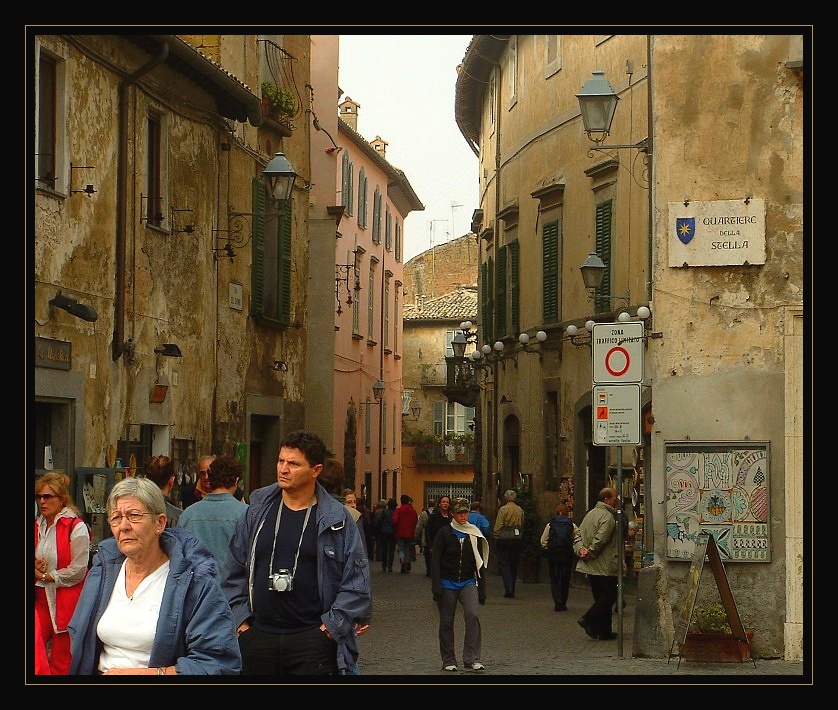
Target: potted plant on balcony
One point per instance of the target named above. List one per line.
(277, 101)
(711, 639)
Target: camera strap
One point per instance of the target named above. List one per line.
(299, 544)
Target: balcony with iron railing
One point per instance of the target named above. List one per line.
(443, 450)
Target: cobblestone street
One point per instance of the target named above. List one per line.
(525, 637)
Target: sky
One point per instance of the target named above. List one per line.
(405, 87)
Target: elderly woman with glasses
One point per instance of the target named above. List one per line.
(151, 604)
(62, 551)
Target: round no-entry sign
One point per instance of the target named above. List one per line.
(617, 353)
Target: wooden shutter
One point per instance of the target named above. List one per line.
(550, 272)
(257, 273)
(602, 300)
(515, 285)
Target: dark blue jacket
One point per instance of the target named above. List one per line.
(342, 568)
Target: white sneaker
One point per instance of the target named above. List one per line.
(449, 668)
(477, 666)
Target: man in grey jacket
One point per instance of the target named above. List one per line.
(296, 576)
(595, 544)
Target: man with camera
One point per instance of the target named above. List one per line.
(297, 576)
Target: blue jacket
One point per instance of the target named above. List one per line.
(482, 522)
(213, 520)
(342, 568)
(195, 630)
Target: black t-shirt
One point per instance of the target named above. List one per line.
(299, 608)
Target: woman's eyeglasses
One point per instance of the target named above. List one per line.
(45, 496)
(134, 516)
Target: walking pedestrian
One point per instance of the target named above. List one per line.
(296, 576)
(420, 536)
(405, 518)
(367, 524)
(439, 518)
(161, 470)
(62, 552)
(377, 516)
(595, 543)
(213, 518)
(202, 487)
(332, 479)
(511, 517)
(557, 540)
(387, 536)
(476, 517)
(151, 604)
(460, 554)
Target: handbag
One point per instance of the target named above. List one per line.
(509, 532)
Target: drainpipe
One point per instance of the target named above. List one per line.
(495, 370)
(382, 306)
(118, 344)
(651, 154)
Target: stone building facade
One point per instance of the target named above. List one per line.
(702, 123)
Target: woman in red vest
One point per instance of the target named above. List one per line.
(62, 550)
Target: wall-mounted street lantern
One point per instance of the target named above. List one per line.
(597, 104)
(378, 390)
(280, 177)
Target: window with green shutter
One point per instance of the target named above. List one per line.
(487, 326)
(515, 286)
(550, 274)
(271, 254)
(604, 216)
(501, 319)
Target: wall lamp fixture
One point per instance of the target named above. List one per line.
(597, 104)
(88, 189)
(74, 308)
(578, 336)
(280, 176)
(187, 229)
(485, 356)
(378, 391)
(592, 270)
(415, 409)
(524, 339)
(343, 274)
(168, 350)
(279, 366)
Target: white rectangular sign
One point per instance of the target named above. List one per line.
(716, 233)
(617, 352)
(616, 413)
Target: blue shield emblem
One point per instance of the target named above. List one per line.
(685, 229)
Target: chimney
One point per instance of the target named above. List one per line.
(380, 146)
(349, 112)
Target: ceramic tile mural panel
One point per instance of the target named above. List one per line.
(723, 490)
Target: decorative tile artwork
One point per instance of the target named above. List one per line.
(722, 489)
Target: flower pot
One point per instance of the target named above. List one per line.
(716, 647)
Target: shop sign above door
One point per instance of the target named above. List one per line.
(55, 354)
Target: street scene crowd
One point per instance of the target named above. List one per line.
(281, 584)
